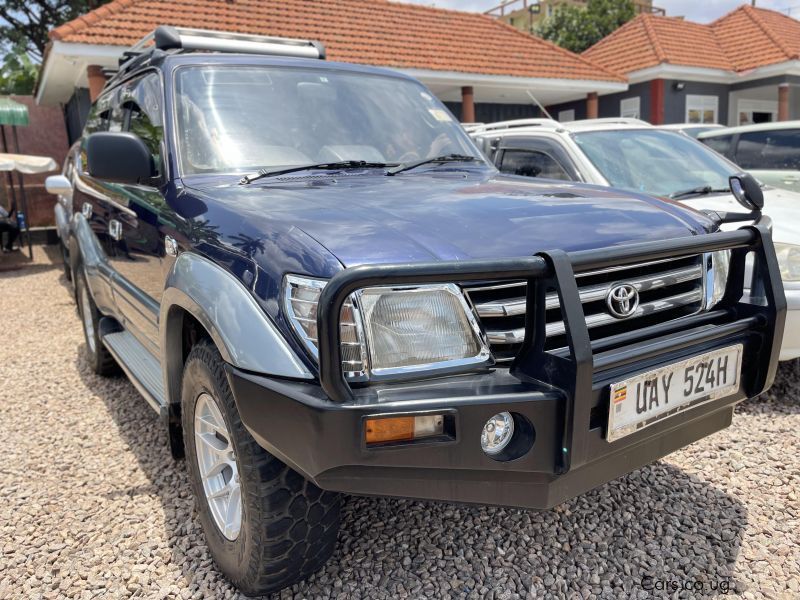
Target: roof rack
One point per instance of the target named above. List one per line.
(166, 39)
(610, 121)
(513, 124)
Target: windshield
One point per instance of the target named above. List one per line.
(244, 118)
(654, 161)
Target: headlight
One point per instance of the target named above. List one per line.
(788, 261)
(717, 267)
(419, 328)
(388, 332)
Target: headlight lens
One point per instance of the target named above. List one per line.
(419, 328)
(717, 267)
(387, 332)
(788, 261)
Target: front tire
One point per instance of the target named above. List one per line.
(265, 525)
(100, 359)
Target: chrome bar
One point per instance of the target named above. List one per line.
(516, 306)
(516, 336)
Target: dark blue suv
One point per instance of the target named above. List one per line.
(322, 286)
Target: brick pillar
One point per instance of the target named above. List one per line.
(591, 105)
(783, 101)
(467, 104)
(96, 81)
(657, 102)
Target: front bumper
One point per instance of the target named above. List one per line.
(318, 429)
(324, 440)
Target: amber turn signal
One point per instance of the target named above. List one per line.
(401, 429)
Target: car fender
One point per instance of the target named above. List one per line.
(243, 333)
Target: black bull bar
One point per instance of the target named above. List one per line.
(764, 310)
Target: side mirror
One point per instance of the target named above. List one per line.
(747, 191)
(58, 185)
(118, 157)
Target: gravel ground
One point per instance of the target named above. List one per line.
(93, 505)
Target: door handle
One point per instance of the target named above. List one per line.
(86, 210)
(115, 229)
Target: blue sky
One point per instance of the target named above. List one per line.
(695, 10)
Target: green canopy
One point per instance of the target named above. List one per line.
(13, 113)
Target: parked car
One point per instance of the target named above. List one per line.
(313, 275)
(633, 155)
(770, 151)
(691, 129)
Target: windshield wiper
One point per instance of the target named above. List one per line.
(328, 166)
(703, 190)
(446, 158)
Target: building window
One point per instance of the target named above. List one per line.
(757, 111)
(564, 116)
(630, 108)
(702, 109)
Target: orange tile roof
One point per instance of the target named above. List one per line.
(744, 39)
(374, 32)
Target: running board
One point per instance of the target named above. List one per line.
(141, 367)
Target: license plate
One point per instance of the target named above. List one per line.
(648, 398)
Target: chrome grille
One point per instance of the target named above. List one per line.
(667, 289)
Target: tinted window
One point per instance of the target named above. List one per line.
(143, 103)
(769, 149)
(532, 163)
(719, 143)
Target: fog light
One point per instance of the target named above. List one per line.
(497, 433)
(398, 429)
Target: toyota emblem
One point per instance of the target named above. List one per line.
(622, 300)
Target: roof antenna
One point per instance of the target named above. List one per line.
(537, 103)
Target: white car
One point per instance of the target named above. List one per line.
(633, 155)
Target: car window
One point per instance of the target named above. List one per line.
(719, 143)
(242, 118)
(769, 149)
(654, 161)
(532, 163)
(142, 101)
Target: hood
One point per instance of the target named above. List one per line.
(782, 206)
(364, 218)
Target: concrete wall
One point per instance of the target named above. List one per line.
(609, 105)
(46, 135)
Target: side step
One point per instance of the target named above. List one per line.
(141, 367)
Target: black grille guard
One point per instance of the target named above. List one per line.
(572, 372)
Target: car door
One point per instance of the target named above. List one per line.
(93, 198)
(771, 156)
(139, 257)
(534, 157)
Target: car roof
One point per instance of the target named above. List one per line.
(531, 126)
(774, 126)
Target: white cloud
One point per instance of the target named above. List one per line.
(702, 11)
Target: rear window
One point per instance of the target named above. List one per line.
(769, 149)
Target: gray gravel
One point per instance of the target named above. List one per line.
(93, 506)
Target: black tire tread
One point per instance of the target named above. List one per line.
(293, 523)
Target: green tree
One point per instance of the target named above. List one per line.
(17, 72)
(576, 28)
(24, 25)
(28, 22)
